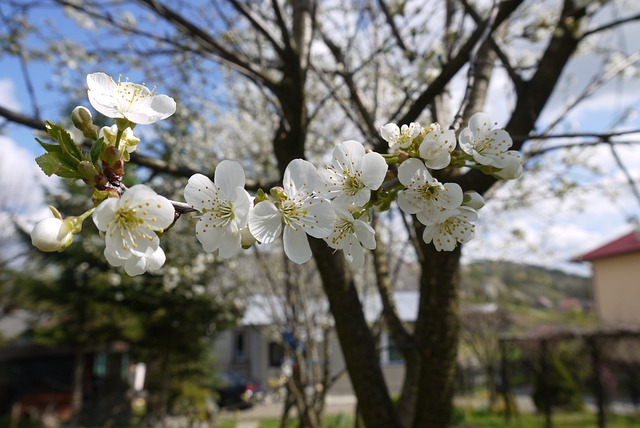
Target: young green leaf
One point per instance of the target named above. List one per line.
(95, 150)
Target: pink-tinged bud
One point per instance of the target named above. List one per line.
(403, 156)
(52, 234)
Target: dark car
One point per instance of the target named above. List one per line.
(235, 391)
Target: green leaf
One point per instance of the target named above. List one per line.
(48, 163)
(95, 150)
(49, 147)
(59, 134)
(56, 163)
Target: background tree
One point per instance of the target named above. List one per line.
(307, 66)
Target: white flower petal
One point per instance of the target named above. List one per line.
(265, 222)
(374, 169)
(241, 207)
(366, 234)
(104, 213)
(479, 123)
(296, 245)
(199, 192)
(319, 219)
(300, 175)
(228, 176)
(414, 171)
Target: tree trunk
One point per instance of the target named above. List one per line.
(436, 334)
(351, 327)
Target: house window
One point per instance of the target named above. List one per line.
(389, 351)
(100, 364)
(276, 354)
(239, 347)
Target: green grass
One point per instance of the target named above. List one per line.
(482, 419)
(560, 420)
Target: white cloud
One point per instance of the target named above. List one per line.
(23, 196)
(7, 95)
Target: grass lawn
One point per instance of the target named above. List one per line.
(560, 420)
(487, 420)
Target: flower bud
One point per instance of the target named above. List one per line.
(246, 238)
(82, 120)
(278, 193)
(52, 234)
(473, 200)
(91, 175)
(261, 196)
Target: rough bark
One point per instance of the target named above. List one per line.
(436, 335)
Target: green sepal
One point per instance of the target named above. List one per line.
(96, 148)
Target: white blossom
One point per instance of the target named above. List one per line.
(224, 204)
(51, 234)
(436, 146)
(353, 174)
(137, 265)
(352, 236)
(424, 195)
(400, 137)
(128, 100)
(512, 167)
(473, 199)
(299, 211)
(450, 227)
(131, 221)
(487, 146)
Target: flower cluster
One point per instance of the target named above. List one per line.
(332, 203)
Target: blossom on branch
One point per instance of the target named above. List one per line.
(352, 236)
(450, 227)
(224, 204)
(436, 146)
(488, 146)
(131, 221)
(400, 137)
(298, 209)
(127, 100)
(424, 195)
(137, 265)
(353, 174)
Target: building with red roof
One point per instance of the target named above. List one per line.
(616, 280)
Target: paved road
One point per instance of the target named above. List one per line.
(335, 404)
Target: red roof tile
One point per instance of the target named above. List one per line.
(629, 243)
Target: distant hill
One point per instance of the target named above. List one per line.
(513, 283)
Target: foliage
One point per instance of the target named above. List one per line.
(565, 370)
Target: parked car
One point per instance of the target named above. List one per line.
(235, 391)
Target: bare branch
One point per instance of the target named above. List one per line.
(594, 85)
(457, 62)
(22, 119)
(625, 171)
(208, 43)
(258, 24)
(499, 51)
(611, 25)
(411, 56)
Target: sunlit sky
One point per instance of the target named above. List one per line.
(554, 231)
